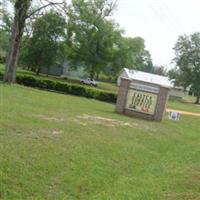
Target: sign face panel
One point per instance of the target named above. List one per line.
(141, 101)
(145, 88)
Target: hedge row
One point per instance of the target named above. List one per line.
(66, 88)
(1, 75)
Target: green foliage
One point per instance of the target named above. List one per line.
(4, 40)
(97, 42)
(102, 85)
(144, 62)
(93, 36)
(126, 53)
(187, 50)
(159, 70)
(46, 46)
(5, 27)
(87, 36)
(6, 18)
(66, 88)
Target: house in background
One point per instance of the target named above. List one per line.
(175, 92)
(64, 70)
(56, 70)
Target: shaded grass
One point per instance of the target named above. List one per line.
(111, 87)
(49, 152)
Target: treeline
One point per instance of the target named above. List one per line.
(82, 33)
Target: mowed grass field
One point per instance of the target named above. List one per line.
(187, 104)
(61, 147)
(105, 86)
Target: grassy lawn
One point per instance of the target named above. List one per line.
(111, 87)
(57, 146)
(187, 104)
(74, 80)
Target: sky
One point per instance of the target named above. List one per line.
(160, 23)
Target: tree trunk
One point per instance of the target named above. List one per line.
(198, 99)
(11, 62)
(21, 9)
(92, 73)
(38, 71)
(97, 76)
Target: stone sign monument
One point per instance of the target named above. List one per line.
(142, 99)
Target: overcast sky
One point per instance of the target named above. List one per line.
(159, 22)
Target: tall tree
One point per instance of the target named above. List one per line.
(126, 53)
(21, 13)
(159, 70)
(92, 33)
(5, 29)
(46, 45)
(187, 59)
(21, 10)
(144, 62)
(4, 38)
(132, 49)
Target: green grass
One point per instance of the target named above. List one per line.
(57, 146)
(111, 87)
(108, 86)
(187, 104)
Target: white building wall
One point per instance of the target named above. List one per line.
(177, 93)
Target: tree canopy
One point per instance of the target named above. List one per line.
(187, 59)
(45, 46)
(98, 42)
(82, 33)
(92, 35)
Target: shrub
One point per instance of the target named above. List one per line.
(1, 75)
(66, 88)
(2, 59)
(106, 96)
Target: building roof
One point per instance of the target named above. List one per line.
(149, 78)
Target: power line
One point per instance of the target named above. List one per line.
(160, 12)
(176, 21)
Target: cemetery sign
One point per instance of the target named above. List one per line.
(141, 99)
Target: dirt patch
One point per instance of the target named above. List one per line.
(78, 121)
(184, 112)
(57, 132)
(44, 133)
(48, 118)
(86, 119)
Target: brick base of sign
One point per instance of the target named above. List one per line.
(138, 114)
(159, 109)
